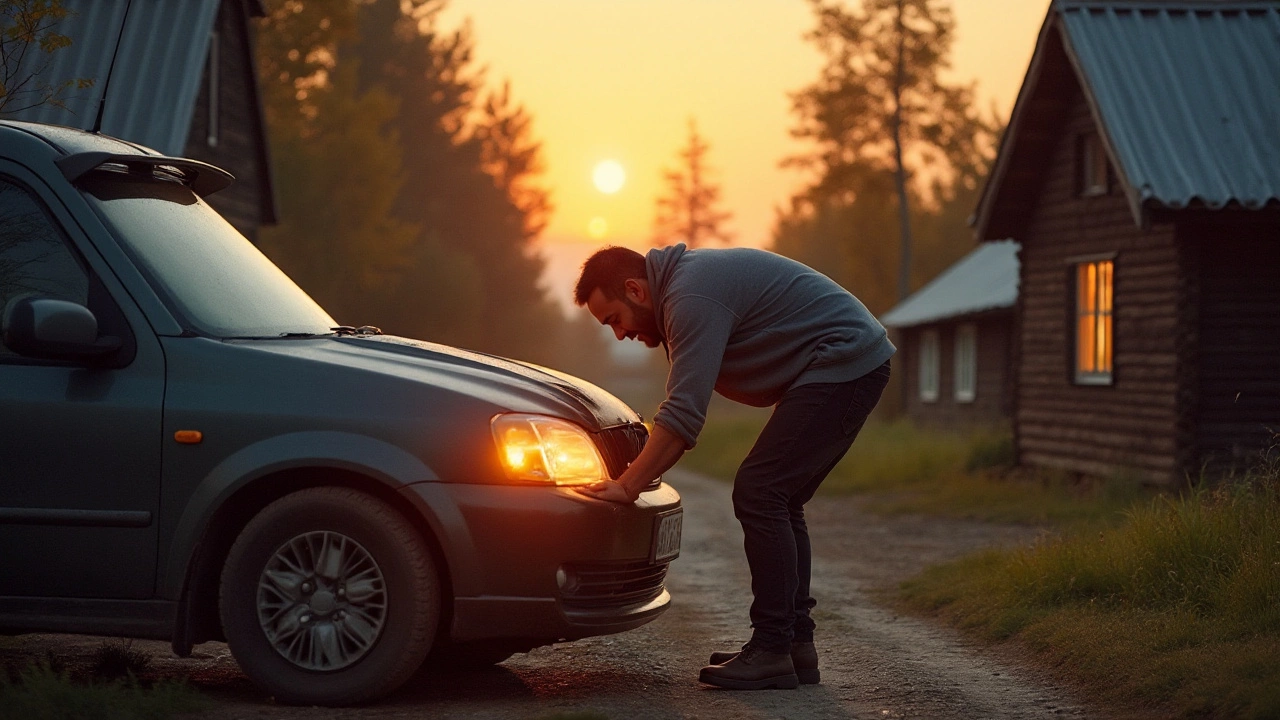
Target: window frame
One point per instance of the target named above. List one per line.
(929, 367)
(965, 360)
(1097, 309)
(7, 356)
(214, 78)
(1092, 167)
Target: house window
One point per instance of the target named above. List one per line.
(1093, 166)
(966, 360)
(929, 366)
(213, 81)
(1095, 338)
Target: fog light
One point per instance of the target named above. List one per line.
(566, 581)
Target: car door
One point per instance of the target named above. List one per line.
(79, 445)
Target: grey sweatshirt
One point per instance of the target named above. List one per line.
(751, 325)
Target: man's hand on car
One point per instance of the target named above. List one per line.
(610, 490)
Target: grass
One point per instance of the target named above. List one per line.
(904, 469)
(119, 660)
(41, 693)
(1162, 604)
(1178, 607)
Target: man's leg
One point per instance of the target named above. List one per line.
(864, 395)
(810, 430)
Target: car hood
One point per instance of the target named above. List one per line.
(512, 385)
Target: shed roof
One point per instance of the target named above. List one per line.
(158, 70)
(1185, 93)
(985, 279)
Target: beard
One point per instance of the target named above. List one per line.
(646, 324)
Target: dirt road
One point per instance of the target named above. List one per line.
(875, 664)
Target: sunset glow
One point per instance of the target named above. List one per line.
(620, 80)
(609, 176)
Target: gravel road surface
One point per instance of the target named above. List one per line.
(875, 663)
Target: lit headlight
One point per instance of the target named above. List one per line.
(536, 448)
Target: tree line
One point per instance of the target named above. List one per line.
(407, 185)
(894, 156)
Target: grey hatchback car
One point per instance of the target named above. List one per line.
(192, 450)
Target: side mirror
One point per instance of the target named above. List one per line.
(54, 330)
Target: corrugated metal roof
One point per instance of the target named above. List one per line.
(157, 75)
(985, 279)
(1188, 95)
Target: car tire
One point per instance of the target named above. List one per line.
(329, 596)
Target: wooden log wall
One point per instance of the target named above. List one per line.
(1131, 426)
(239, 149)
(1237, 398)
(992, 404)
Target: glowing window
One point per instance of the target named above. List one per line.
(966, 361)
(929, 365)
(1095, 338)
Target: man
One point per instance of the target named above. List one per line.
(762, 330)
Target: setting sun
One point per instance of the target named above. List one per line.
(597, 228)
(609, 176)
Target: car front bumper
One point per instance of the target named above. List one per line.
(534, 565)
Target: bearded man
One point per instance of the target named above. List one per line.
(763, 330)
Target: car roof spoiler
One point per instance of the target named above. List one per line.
(203, 179)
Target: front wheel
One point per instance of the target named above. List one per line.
(329, 597)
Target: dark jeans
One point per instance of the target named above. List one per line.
(810, 429)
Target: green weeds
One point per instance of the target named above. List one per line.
(1178, 606)
(901, 468)
(39, 693)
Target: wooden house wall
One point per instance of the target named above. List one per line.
(246, 204)
(993, 388)
(1237, 397)
(1134, 423)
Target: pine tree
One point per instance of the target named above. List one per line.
(469, 163)
(689, 211)
(893, 145)
(336, 163)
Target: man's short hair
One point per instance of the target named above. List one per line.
(608, 269)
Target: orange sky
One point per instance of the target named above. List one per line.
(619, 80)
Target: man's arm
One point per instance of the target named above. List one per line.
(659, 454)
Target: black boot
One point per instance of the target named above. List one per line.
(804, 657)
(752, 669)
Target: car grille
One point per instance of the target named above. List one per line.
(620, 445)
(604, 585)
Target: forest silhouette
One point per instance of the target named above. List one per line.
(409, 183)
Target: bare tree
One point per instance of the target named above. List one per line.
(28, 40)
(689, 211)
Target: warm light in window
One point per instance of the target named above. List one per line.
(1094, 330)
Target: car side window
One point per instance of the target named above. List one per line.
(35, 257)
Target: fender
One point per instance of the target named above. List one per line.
(378, 460)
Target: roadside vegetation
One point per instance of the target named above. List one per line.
(1177, 608)
(900, 468)
(1161, 603)
(114, 687)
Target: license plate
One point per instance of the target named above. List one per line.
(666, 535)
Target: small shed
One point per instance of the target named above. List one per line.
(184, 84)
(955, 337)
(1140, 173)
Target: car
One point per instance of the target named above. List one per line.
(191, 449)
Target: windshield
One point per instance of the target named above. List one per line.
(219, 283)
